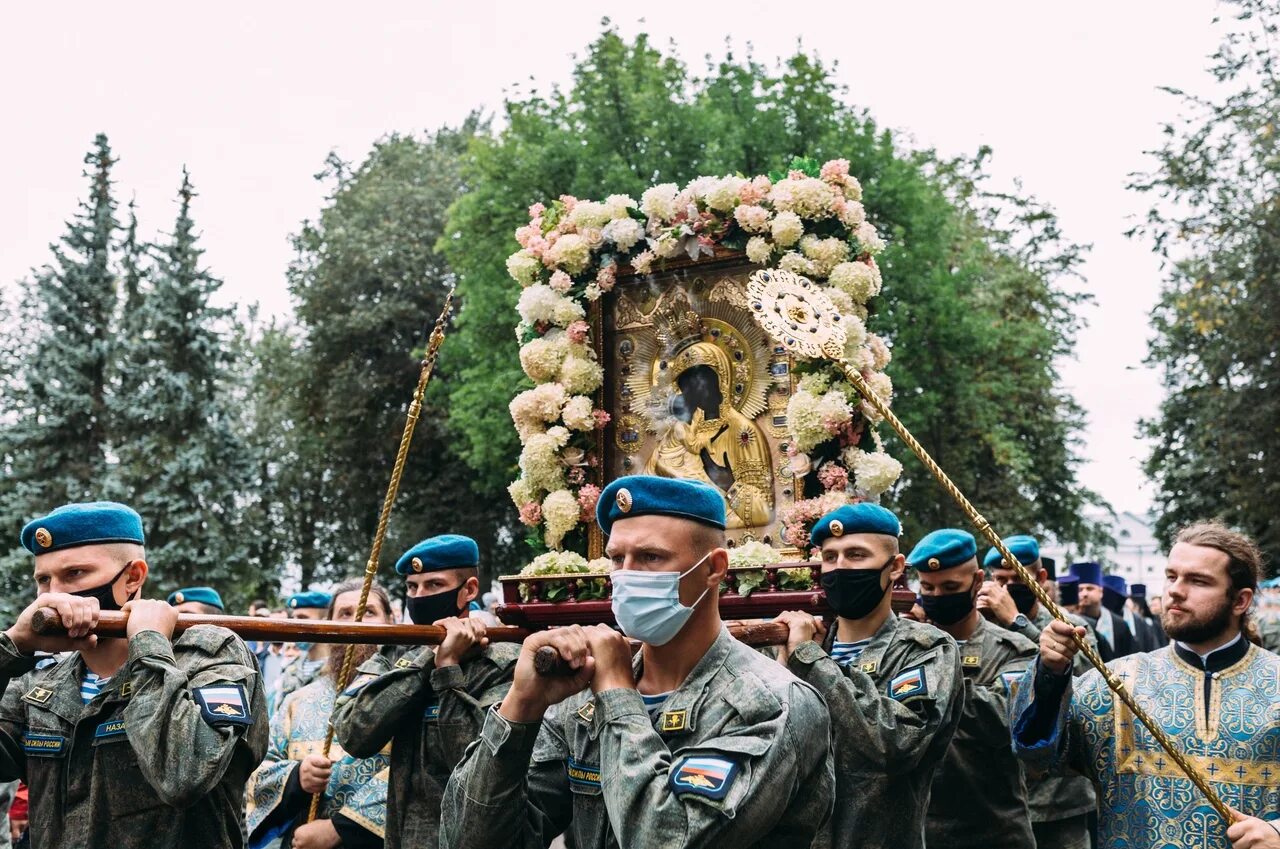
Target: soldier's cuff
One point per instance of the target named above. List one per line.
(151, 644)
(807, 653)
(504, 738)
(13, 662)
(619, 702)
(447, 678)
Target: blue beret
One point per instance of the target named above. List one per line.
(1068, 590)
(203, 595)
(93, 523)
(861, 518)
(943, 549)
(1115, 583)
(1137, 590)
(1021, 546)
(312, 599)
(649, 495)
(1088, 573)
(447, 551)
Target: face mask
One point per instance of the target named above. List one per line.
(1022, 596)
(103, 592)
(947, 609)
(854, 593)
(647, 604)
(426, 609)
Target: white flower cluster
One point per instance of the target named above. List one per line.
(752, 555)
(872, 472)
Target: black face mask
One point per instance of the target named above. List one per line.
(1023, 598)
(947, 609)
(854, 593)
(106, 598)
(427, 609)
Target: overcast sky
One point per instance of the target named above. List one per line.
(251, 97)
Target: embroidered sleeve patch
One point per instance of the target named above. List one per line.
(582, 775)
(223, 704)
(909, 685)
(109, 729)
(705, 775)
(44, 745)
(431, 713)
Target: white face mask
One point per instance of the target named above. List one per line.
(647, 604)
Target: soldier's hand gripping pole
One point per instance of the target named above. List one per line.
(393, 487)
(802, 318)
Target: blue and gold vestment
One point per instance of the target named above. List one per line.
(1223, 712)
(357, 786)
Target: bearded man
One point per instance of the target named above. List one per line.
(353, 807)
(1211, 690)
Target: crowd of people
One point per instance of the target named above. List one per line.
(973, 720)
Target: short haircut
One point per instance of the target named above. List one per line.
(208, 608)
(705, 538)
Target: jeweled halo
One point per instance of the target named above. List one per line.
(796, 313)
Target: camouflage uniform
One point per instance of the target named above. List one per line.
(743, 758)
(886, 747)
(429, 716)
(979, 795)
(298, 674)
(1061, 802)
(1269, 632)
(158, 759)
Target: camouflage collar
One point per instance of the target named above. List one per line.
(872, 656)
(57, 688)
(686, 699)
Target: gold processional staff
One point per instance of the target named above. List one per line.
(801, 317)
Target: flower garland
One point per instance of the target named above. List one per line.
(808, 220)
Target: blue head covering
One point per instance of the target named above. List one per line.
(943, 549)
(1116, 584)
(1068, 590)
(446, 551)
(91, 523)
(1088, 573)
(313, 599)
(1021, 546)
(1137, 591)
(650, 495)
(203, 595)
(861, 518)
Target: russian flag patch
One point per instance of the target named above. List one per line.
(909, 684)
(223, 704)
(705, 775)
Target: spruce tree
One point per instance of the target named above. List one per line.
(53, 412)
(181, 463)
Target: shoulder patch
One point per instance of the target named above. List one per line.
(910, 684)
(704, 775)
(674, 720)
(587, 712)
(404, 662)
(869, 667)
(582, 774)
(110, 728)
(38, 695)
(971, 661)
(223, 704)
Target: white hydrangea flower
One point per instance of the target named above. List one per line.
(578, 413)
(660, 201)
(869, 238)
(541, 358)
(787, 228)
(581, 376)
(624, 232)
(619, 206)
(523, 267)
(855, 335)
(860, 280)
(759, 250)
(560, 514)
(722, 196)
(571, 252)
(873, 473)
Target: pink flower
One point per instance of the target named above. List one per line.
(531, 513)
(833, 476)
(606, 277)
(835, 171)
(602, 418)
(576, 475)
(588, 495)
(569, 202)
(795, 535)
(577, 332)
(561, 282)
(536, 210)
(750, 194)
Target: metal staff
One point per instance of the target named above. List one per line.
(801, 317)
(393, 487)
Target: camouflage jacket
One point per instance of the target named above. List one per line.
(893, 712)
(429, 716)
(158, 759)
(739, 757)
(1061, 794)
(979, 794)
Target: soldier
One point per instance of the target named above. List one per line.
(698, 741)
(893, 685)
(993, 813)
(1211, 689)
(428, 706)
(1060, 804)
(145, 741)
(202, 600)
(307, 664)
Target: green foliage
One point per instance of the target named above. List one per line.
(972, 299)
(1215, 222)
(53, 418)
(367, 284)
(180, 459)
